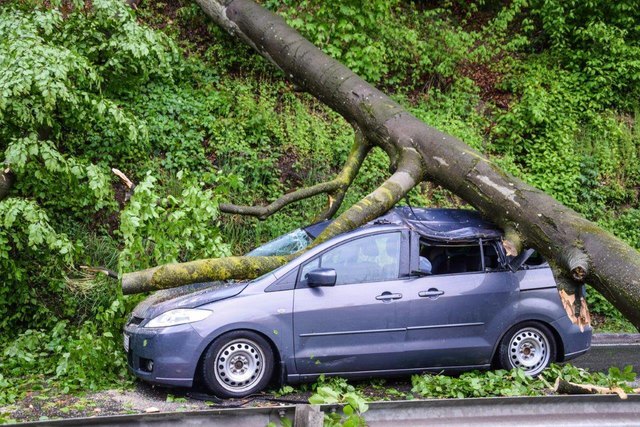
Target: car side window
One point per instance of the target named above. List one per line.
(310, 266)
(452, 259)
(367, 259)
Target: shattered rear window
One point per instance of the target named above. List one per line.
(287, 244)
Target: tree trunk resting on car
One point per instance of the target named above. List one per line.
(580, 251)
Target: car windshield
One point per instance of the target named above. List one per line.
(287, 244)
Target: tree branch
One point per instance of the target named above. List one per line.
(336, 188)
(383, 198)
(348, 173)
(125, 180)
(172, 275)
(245, 267)
(563, 386)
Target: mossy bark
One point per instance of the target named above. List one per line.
(417, 151)
(172, 275)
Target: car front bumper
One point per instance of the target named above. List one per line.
(174, 352)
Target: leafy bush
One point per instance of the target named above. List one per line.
(66, 358)
(338, 390)
(160, 230)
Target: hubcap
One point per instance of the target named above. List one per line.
(529, 350)
(239, 365)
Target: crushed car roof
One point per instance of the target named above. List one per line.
(442, 224)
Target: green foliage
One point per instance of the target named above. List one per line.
(66, 72)
(66, 359)
(599, 41)
(339, 391)
(160, 230)
(25, 227)
(475, 384)
(613, 378)
(412, 46)
(515, 382)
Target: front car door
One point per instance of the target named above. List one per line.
(352, 326)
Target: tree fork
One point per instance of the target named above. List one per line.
(383, 198)
(244, 267)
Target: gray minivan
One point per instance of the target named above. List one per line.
(415, 290)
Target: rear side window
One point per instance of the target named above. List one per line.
(367, 259)
(462, 258)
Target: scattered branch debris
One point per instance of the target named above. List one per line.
(565, 387)
(130, 185)
(103, 270)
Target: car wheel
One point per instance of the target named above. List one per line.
(529, 346)
(237, 364)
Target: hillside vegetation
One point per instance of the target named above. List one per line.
(548, 89)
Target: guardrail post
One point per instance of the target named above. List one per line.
(308, 416)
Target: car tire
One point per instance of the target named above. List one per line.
(529, 346)
(237, 364)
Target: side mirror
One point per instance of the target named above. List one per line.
(321, 277)
(516, 262)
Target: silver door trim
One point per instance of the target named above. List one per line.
(451, 325)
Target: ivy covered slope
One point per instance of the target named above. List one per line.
(548, 89)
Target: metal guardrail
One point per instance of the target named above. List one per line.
(592, 410)
(245, 417)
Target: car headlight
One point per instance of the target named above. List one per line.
(178, 317)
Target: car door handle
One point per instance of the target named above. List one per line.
(431, 293)
(388, 296)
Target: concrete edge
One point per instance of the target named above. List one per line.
(611, 339)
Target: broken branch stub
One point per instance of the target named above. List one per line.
(7, 179)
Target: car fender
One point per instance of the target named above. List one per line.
(538, 306)
(269, 314)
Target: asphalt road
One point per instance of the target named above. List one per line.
(609, 350)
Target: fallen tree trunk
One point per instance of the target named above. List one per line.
(580, 251)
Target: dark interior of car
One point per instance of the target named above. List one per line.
(451, 259)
